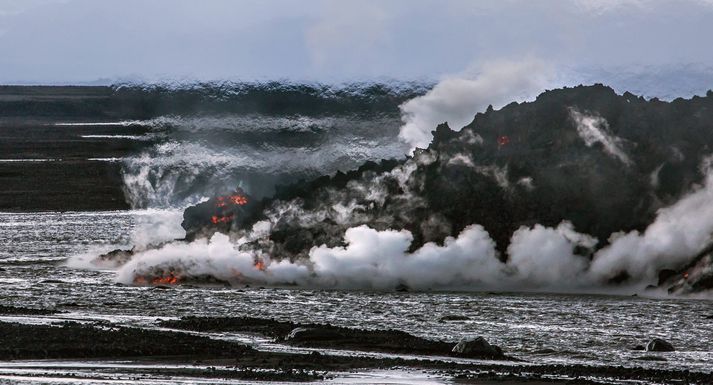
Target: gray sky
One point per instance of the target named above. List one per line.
(70, 41)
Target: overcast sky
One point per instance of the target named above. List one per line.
(71, 41)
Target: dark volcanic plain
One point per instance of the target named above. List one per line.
(211, 358)
(50, 167)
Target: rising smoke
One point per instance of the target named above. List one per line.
(595, 129)
(456, 99)
(678, 233)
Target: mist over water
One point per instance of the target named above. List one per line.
(258, 138)
(203, 157)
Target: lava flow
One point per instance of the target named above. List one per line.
(260, 265)
(220, 213)
(224, 205)
(215, 219)
(168, 279)
(225, 201)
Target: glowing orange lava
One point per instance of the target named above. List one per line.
(225, 207)
(232, 199)
(260, 265)
(215, 219)
(168, 279)
(238, 200)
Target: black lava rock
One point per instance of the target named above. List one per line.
(659, 345)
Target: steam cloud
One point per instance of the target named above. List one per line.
(455, 99)
(371, 259)
(595, 129)
(545, 257)
(382, 259)
(678, 233)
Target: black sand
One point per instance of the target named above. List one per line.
(231, 360)
(325, 336)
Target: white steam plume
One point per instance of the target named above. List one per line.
(595, 129)
(674, 238)
(371, 259)
(541, 258)
(545, 257)
(381, 259)
(455, 99)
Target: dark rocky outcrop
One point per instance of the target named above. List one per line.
(696, 276)
(311, 334)
(477, 347)
(524, 164)
(116, 257)
(659, 345)
(221, 213)
(213, 360)
(334, 337)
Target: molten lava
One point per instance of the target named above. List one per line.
(237, 199)
(169, 279)
(260, 265)
(224, 206)
(221, 213)
(215, 219)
